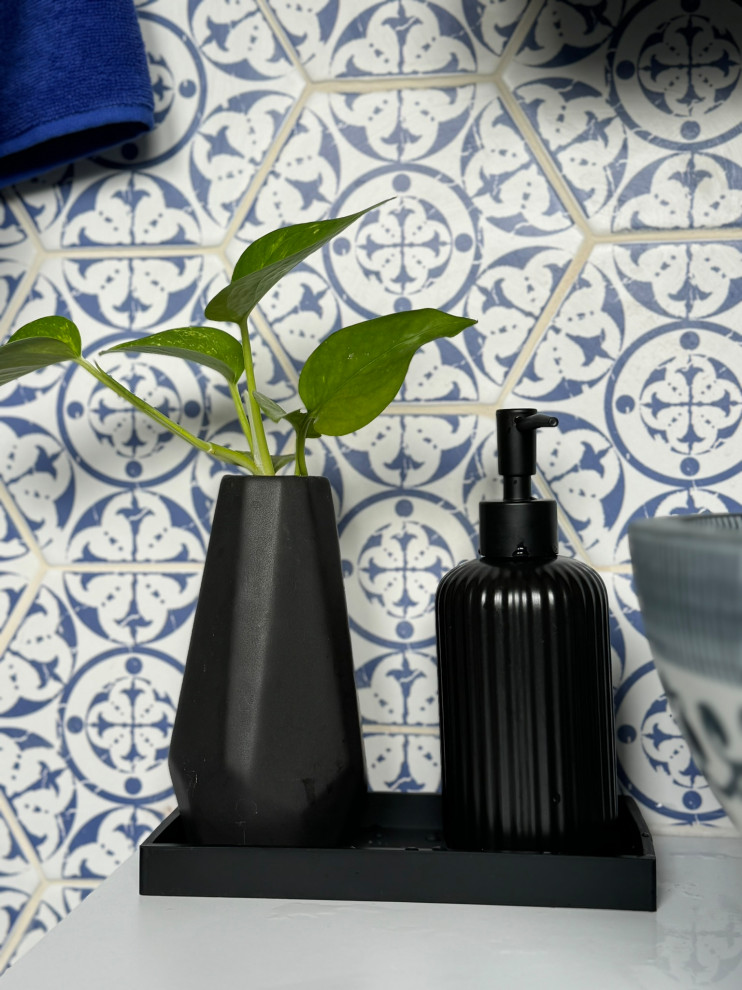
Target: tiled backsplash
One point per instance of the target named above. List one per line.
(566, 173)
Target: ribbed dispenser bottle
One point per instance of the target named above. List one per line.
(524, 674)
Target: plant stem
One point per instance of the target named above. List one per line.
(262, 453)
(301, 464)
(241, 415)
(237, 457)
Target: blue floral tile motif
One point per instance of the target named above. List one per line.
(132, 608)
(402, 125)
(15, 254)
(564, 32)
(408, 764)
(15, 893)
(40, 657)
(678, 419)
(397, 687)
(45, 918)
(409, 451)
(475, 246)
(39, 786)
(641, 125)
(396, 546)
(115, 719)
(672, 68)
(13, 860)
(105, 841)
(37, 474)
(647, 402)
(397, 37)
(238, 42)
(135, 525)
(684, 281)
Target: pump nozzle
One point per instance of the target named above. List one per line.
(520, 527)
(516, 449)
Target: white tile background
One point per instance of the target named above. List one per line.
(565, 173)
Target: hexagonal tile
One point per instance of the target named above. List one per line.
(472, 227)
(643, 365)
(636, 107)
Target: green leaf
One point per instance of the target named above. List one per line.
(281, 460)
(355, 373)
(298, 420)
(268, 259)
(38, 344)
(209, 346)
(271, 409)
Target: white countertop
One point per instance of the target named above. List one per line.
(117, 939)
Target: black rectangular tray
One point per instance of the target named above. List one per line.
(398, 854)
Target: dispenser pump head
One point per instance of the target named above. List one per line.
(519, 526)
(516, 449)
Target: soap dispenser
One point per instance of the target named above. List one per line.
(524, 674)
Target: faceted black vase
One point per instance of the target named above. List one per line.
(266, 746)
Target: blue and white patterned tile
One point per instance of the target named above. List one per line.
(397, 37)
(396, 546)
(222, 86)
(15, 894)
(636, 105)
(18, 564)
(396, 686)
(406, 763)
(90, 686)
(16, 254)
(473, 227)
(56, 903)
(649, 403)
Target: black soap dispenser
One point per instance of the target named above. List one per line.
(524, 673)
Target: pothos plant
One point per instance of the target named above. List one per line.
(345, 383)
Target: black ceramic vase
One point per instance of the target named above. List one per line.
(266, 746)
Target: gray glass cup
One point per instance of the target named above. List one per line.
(688, 573)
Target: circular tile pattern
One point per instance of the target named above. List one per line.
(675, 71)
(115, 721)
(674, 403)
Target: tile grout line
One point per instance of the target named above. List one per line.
(16, 617)
(20, 928)
(526, 22)
(256, 183)
(277, 28)
(614, 568)
(673, 235)
(563, 519)
(16, 204)
(378, 728)
(381, 84)
(542, 323)
(81, 883)
(19, 833)
(126, 567)
(544, 160)
(20, 295)
(152, 251)
(24, 530)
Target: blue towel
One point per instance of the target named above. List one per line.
(73, 80)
